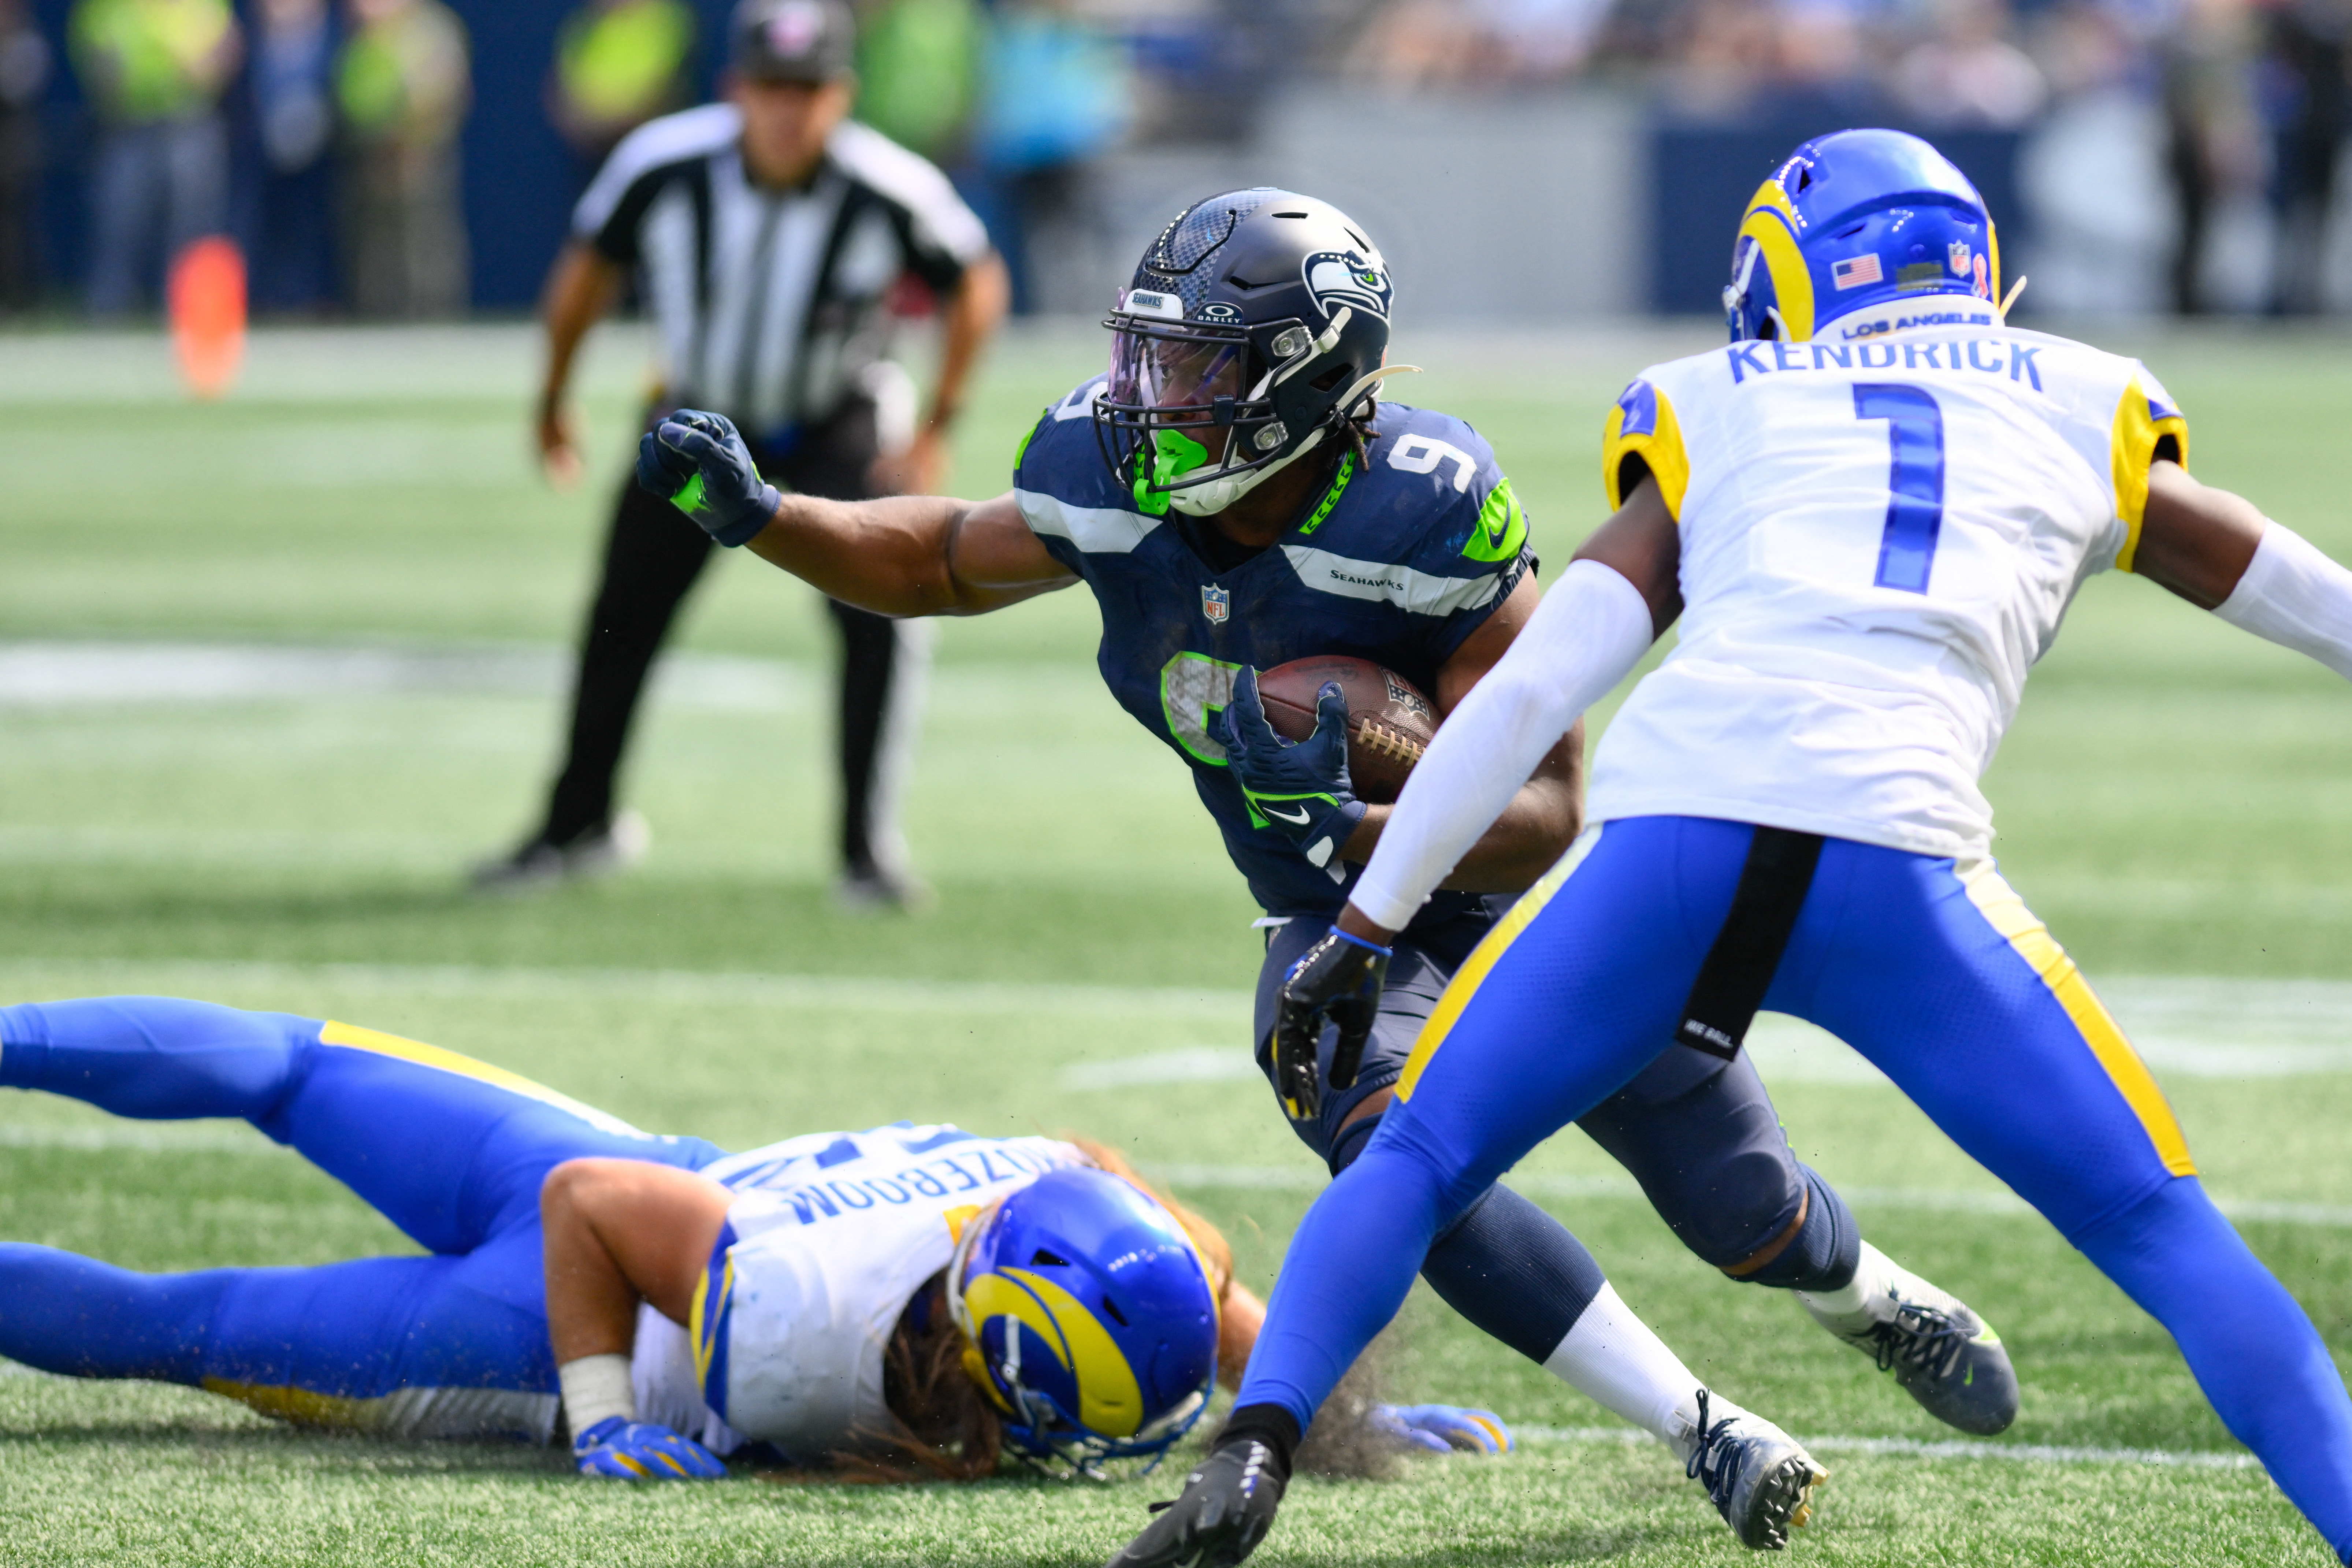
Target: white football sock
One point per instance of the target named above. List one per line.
(1611, 1357)
(596, 1387)
(1858, 1303)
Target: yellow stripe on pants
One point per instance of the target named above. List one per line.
(2007, 913)
(1486, 955)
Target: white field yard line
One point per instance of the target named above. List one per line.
(1949, 1449)
(877, 993)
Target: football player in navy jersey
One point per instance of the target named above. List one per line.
(1237, 497)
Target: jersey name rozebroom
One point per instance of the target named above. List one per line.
(1880, 531)
(829, 1237)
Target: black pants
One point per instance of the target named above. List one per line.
(652, 556)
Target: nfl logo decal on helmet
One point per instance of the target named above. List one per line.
(1216, 603)
(1091, 1320)
(1853, 220)
(1252, 333)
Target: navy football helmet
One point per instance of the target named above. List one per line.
(1089, 1320)
(1851, 220)
(1253, 329)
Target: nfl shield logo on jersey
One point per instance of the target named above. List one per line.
(1216, 603)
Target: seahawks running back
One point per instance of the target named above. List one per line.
(1236, 496)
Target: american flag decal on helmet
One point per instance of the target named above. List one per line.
(1857, 270)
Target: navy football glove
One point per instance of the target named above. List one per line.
(698, 463)
(1339, 979)
(641, 1451)
(1301, 788)
(1443, 1428)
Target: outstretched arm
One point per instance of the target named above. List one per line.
(1617, 595)
(2217, 551)
(902, 556)
(912, 555)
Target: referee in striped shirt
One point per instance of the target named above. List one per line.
(766, 233)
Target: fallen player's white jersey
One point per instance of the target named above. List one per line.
(1880, 531)
(829, 1237)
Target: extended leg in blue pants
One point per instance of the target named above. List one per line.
(450, 1150)
(1934, 973)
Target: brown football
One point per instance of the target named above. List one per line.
(1390, 722)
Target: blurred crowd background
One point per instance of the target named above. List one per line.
(1517, 159)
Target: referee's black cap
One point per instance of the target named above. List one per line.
(792, 41)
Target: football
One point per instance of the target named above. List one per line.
(1390, 722)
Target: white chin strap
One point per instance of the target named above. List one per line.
(1214, 496)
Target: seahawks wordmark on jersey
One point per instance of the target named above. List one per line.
(1880, 531)
(1398, 561)
(829, 1237)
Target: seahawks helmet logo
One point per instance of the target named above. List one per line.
(1337, 277)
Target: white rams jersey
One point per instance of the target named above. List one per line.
(1880, 531)
(829, 1237)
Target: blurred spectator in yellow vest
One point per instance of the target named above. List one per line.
(24, 78)
(403, 87)
(618, 63)
(918, 72)
(154, 71)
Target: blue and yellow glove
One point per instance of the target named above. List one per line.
(641, 1451)
(1443, 1428)
(698, 463)
(1299, 788)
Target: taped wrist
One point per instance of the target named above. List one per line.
(1270, 1425)
(2293, 595)
(596, 1388)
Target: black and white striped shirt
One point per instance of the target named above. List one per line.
(770, 304)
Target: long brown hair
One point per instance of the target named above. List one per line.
(945, 1429)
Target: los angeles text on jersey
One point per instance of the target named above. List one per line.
(1990, 356)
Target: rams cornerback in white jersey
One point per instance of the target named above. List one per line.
(1869, 514)
(1881, 530)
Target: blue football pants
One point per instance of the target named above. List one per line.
(450, 1150)
(1941, 978)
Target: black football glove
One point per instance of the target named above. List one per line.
(698, 463)
(1227, 1507)
(1337, 979)
(1300, 787)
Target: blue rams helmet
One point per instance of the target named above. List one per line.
(1851, 220)
(1088, 1317)
(1253, 330)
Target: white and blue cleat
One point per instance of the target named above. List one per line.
(1758, 1477)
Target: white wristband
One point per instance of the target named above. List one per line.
(2293, 595)
(596, 1388)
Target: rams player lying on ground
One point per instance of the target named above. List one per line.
(1236, 498)
(907, 1300)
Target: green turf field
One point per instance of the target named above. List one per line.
(354, 584)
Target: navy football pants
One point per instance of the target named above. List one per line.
(450, 1150)
(1938, 975)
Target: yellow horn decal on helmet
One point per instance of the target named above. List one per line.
(1111, 1401)
(1992, 243)
(1792, 281)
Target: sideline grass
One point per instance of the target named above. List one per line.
(2171, 800)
